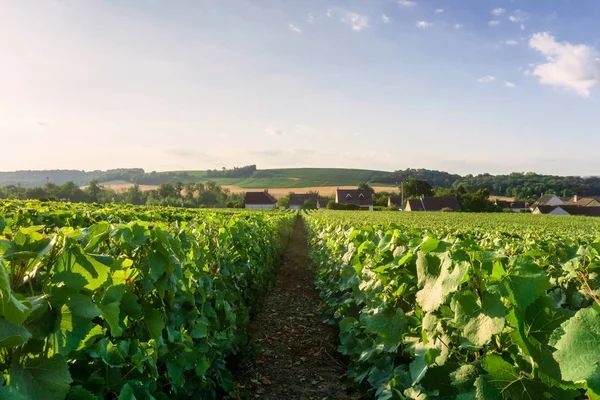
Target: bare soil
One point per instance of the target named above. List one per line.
(297, 357)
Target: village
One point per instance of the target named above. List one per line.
(362, 199)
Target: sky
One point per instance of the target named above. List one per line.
(465, 86)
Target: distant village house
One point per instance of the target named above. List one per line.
(298, 200)
(260, 200)
(428, 203)
(358, 197)
(395, 202)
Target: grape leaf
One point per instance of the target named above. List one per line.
(41, 378)
(478, 321)
(578, 349)
(436, 279)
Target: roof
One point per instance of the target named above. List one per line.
(439, 203)
(359, 197)
(396, 200)
(512, 204)
(572, 209)
(299, 199)
(415, 205)
(544, 199)
(260, 198)
(583, 201)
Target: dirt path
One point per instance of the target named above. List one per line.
(298, 358)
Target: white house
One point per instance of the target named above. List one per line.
(260, 200)
(358, 197)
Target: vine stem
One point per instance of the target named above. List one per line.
(588, 288)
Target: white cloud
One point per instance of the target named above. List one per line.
(573, 67)
(310, 18)
(439, 11)
(494, 23)
(275, 131)
(329, 14)
(486, 79)
(498, 11)
(509, 85)
(510, 42)
(458, 26)
(424, 24)
(407, 3)
(356, 21)
(294, 28)
(385, 19)
(522, 27)
(518, 16)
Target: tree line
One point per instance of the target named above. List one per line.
(178, 194)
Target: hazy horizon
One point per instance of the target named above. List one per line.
(466, 87)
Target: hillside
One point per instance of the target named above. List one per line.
(516, 184)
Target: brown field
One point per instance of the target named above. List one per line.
(120, 186)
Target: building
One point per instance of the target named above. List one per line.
(513, 206)
(395, 202)
(260, 200)
(584, 201)
(548, 200)
(568, 209)
(297, 200)
(430, 203)
(358, 197)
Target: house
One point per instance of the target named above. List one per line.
(395, 202)
(513, 206)
(430, 203)
(584, 201)
(297, 200)
(568, 209)
(548, 200)
(260, 200)
(550, 210)
(358, 197)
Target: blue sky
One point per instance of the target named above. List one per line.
(463, 86)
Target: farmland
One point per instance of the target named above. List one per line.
(462, 306)
(107, 301)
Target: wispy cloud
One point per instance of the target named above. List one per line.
(357, 21)
(518, 16)
(498, 11)
(294, 28)
(458, 26)
(424, 24)
(572, 67)
(439, 11)
(275, 131)
(486, 79)
(509, 85)
(494, 23)
(310, 18)
(407, 3)
(510, 42)
(385, 19)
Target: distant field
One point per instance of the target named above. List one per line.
(276, 192)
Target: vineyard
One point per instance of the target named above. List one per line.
(128, 302)
(107, 302)
(463, 306)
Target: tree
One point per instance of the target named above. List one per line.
(134, 195)
(365, 186)
(94, 190)
(179, 187)
(417, 188)
(166, 190)
(284, 201)
(309, 205)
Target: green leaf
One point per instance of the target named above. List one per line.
(509, 381)
(388, 324)
(527, 281)
(154, 322)
(578, 349)
(11, 335)
(436, 279)
(75, 323)
(41, 378)
(110, 307)
(478, 320)
(73, 261)
(126, 393)
(79, 393)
